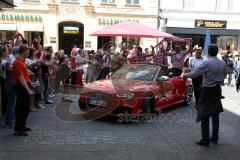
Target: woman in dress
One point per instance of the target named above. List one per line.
(91, 69)
(106, 66)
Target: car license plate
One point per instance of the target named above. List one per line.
(97, 102)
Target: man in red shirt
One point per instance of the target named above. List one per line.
(23, 91)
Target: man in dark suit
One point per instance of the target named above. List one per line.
(209, 103)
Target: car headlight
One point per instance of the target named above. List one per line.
(126, 95)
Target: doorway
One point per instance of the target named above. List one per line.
(70, 33)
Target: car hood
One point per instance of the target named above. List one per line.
(119, 85)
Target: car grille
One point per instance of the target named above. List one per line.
(102, 96)
(99, 96)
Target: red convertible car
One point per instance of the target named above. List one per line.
(135, 89)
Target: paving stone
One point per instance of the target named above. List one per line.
(52, 139)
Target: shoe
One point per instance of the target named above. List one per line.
(49, 102)
(214, 141)
(20, 133)
(42, 106)
(33, 109)
(51, 95)
(26, 129)
(201, 143)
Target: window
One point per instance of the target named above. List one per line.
(71, 1)
(231, 4)
(108, 1)
(32, 0)
(188, 4)
(222, 5)
(132, 2)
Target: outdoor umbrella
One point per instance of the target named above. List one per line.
(207, 42)
(131, 30)
(6, 4)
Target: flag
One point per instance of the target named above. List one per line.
(207, 42)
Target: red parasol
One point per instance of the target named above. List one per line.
(131, 29)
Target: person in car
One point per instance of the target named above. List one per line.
(178, 57)
(160, 57)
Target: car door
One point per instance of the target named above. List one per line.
(179, 88)
(164, 93)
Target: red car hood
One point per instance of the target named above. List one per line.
(119, 85)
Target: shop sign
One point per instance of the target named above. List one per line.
(16, 17)
(52, 39)
(210, 24)
(111, 21)
(71, 30)
(88, 44)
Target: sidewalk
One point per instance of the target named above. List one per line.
(52, 139)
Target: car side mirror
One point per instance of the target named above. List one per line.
(163, 78)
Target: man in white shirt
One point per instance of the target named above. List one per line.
(194, 63)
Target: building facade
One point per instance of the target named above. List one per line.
(62, 23)
(191, 18)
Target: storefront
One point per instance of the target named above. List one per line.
(83, 22)
(25, 23)
(220, 33)
(62, 24)
(7, 31)
(70, 33)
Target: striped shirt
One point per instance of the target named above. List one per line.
(160, 58)
(213, 71)
(178, 58)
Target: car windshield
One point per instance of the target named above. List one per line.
(137, 72)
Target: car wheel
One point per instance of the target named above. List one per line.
(189, 95)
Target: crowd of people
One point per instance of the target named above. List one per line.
(30, 75)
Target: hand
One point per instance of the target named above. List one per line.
(184, 76)
(237, 88)
(30, 92)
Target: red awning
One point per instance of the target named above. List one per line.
(131, 30)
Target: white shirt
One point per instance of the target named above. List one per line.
(29, 62)
(79, 59)
(219, 56)
(195, 62)
(11, 58)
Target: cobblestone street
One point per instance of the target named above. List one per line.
(52, 139)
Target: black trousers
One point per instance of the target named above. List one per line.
(4, 98)
(205, 128)
(45, 78)
(197, 84)
(22, 107)
(73, 78)
(103, 74)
